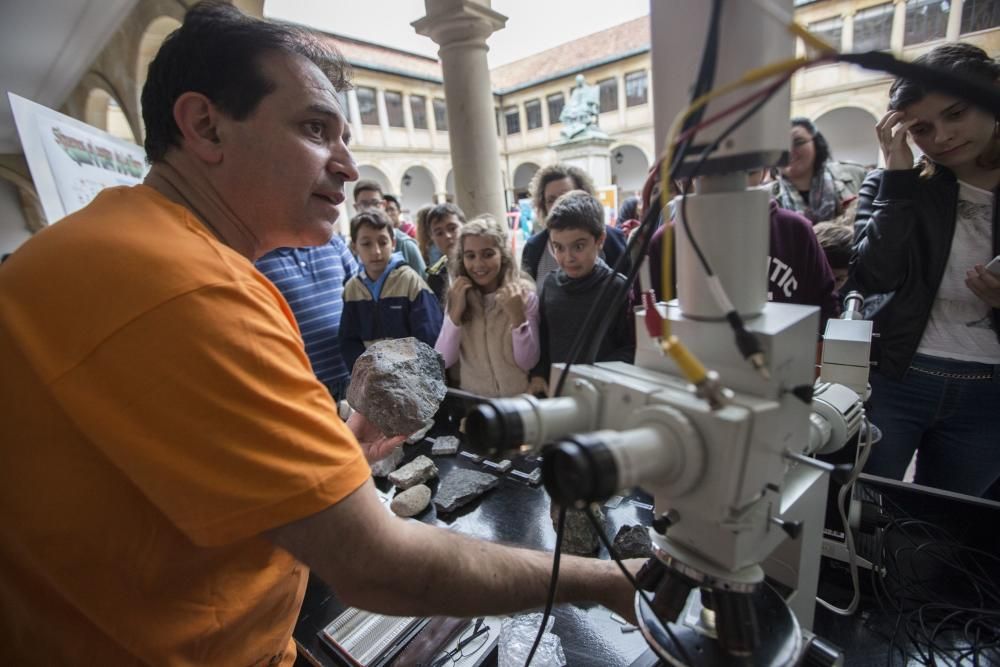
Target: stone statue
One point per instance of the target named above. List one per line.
(579, 116)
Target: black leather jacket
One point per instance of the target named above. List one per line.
(902, 239)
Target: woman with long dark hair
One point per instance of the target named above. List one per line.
(813, 183)
(925, 233)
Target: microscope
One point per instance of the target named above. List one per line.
(739, 497)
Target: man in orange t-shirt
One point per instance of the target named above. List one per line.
(172, 466)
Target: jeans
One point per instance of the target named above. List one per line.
(949, 413)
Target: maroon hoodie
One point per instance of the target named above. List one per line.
(797, 268)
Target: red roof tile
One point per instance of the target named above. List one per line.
(573, 55)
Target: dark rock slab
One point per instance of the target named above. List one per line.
(579, 537)
(398, 385)
(462, 486)
(411, 502)
(445, 445)
(417, 471)
(633, 542)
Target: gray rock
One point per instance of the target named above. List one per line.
(388, 464)
(411, 502)
(462, 486)
(419, 435)
(579, 537)
(398, 385)
(445, 445)
(633, 542)
(417, 471)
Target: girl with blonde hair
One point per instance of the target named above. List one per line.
(491, 323)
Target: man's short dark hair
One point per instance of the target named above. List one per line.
(577, 210)
(368, 184)
(374, 218)
(556, 172)
(217, 52)
(837, 242)
(388, 197)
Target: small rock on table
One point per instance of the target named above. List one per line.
(633, 542)
(445, 445)
(411, 502)
(417, 471)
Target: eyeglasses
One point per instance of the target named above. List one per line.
(362, 204)
(799, 142)
(469, 643)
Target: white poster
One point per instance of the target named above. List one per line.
(71, 161)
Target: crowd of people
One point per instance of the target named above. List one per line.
(224, 462)
(913, 238)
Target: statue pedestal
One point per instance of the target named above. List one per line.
(590, 153)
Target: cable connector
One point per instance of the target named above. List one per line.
(748, 344)
(706, 383)
(654, 323)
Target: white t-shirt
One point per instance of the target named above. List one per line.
(960, 326)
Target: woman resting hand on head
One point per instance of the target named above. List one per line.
(924, 234)
(491, 324)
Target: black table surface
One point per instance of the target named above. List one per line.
(518, 514)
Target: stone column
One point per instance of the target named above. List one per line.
(954, 29)
(460, 28)
(898, 28)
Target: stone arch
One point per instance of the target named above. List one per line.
(629, 168)
(149, 43)
(416, 189)
(522, 179)
(850, 132)
(104, 112)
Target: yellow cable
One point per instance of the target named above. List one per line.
(689, 365)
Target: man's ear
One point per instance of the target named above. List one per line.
(197, 118)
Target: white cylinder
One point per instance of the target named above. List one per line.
(733, 231)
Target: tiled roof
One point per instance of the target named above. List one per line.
(366, 55)
(575, 55)
(565, 58)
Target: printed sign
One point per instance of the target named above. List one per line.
(71, 161)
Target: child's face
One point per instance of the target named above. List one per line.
(444, 232)
(576, 250)
(482, 262)
(374, 247)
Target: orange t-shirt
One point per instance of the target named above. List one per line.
(160, 413)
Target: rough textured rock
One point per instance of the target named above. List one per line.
(462, 486)
(411, 502)
(388, 464)
(445, 445)
(579, 537)
(419, 435)
(633, 542)
(417, 471)
(398, 385)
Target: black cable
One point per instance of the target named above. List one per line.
(553, 583)
(631, 579)
(957, 84)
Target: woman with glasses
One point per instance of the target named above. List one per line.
(813, 183)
